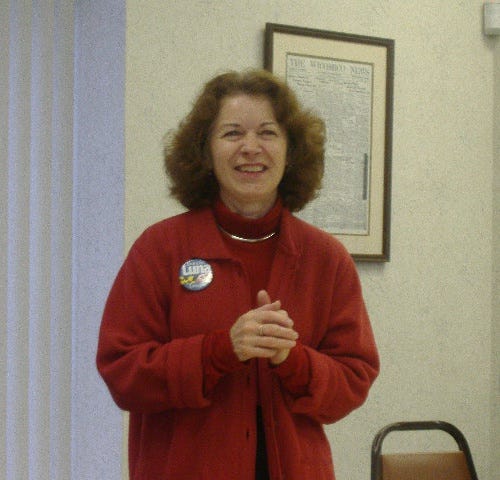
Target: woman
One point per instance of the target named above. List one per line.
(234, 331)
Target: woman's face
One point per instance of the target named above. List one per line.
(248, 148)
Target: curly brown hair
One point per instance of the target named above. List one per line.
(187, 152)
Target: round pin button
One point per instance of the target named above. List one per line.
(195, 274)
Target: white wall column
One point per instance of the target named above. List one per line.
(61, 234)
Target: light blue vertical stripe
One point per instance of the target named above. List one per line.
(61, 241)
(39, 236)
(4, 122)
(16, 408)
(98, 227)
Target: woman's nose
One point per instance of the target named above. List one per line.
(251, 144)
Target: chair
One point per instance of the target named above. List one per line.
(452, 465)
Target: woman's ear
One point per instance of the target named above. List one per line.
(208, 164)
(206, 160)
(289, 160)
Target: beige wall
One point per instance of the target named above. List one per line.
(432, 306)
(495, 392)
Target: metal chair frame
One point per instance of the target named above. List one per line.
(376, 455)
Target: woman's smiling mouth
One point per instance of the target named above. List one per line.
(251, 168)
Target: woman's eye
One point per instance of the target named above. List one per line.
(268, 133)
(231, 133)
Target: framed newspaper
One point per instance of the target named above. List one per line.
(348, 80)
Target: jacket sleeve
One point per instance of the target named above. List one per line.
(144, 369)
(342, 368)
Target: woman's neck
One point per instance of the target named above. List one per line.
(251, 210)
(236, 225)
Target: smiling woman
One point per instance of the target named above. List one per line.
(221, 318)
(248, 150)
(187, 154)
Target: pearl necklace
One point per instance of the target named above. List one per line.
(247, 240)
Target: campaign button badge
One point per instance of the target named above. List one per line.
(195, 274)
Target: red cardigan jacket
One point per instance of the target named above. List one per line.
(151, 343)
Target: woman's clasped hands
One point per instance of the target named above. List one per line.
(264, 332)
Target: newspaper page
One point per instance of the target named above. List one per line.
(341, 93)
